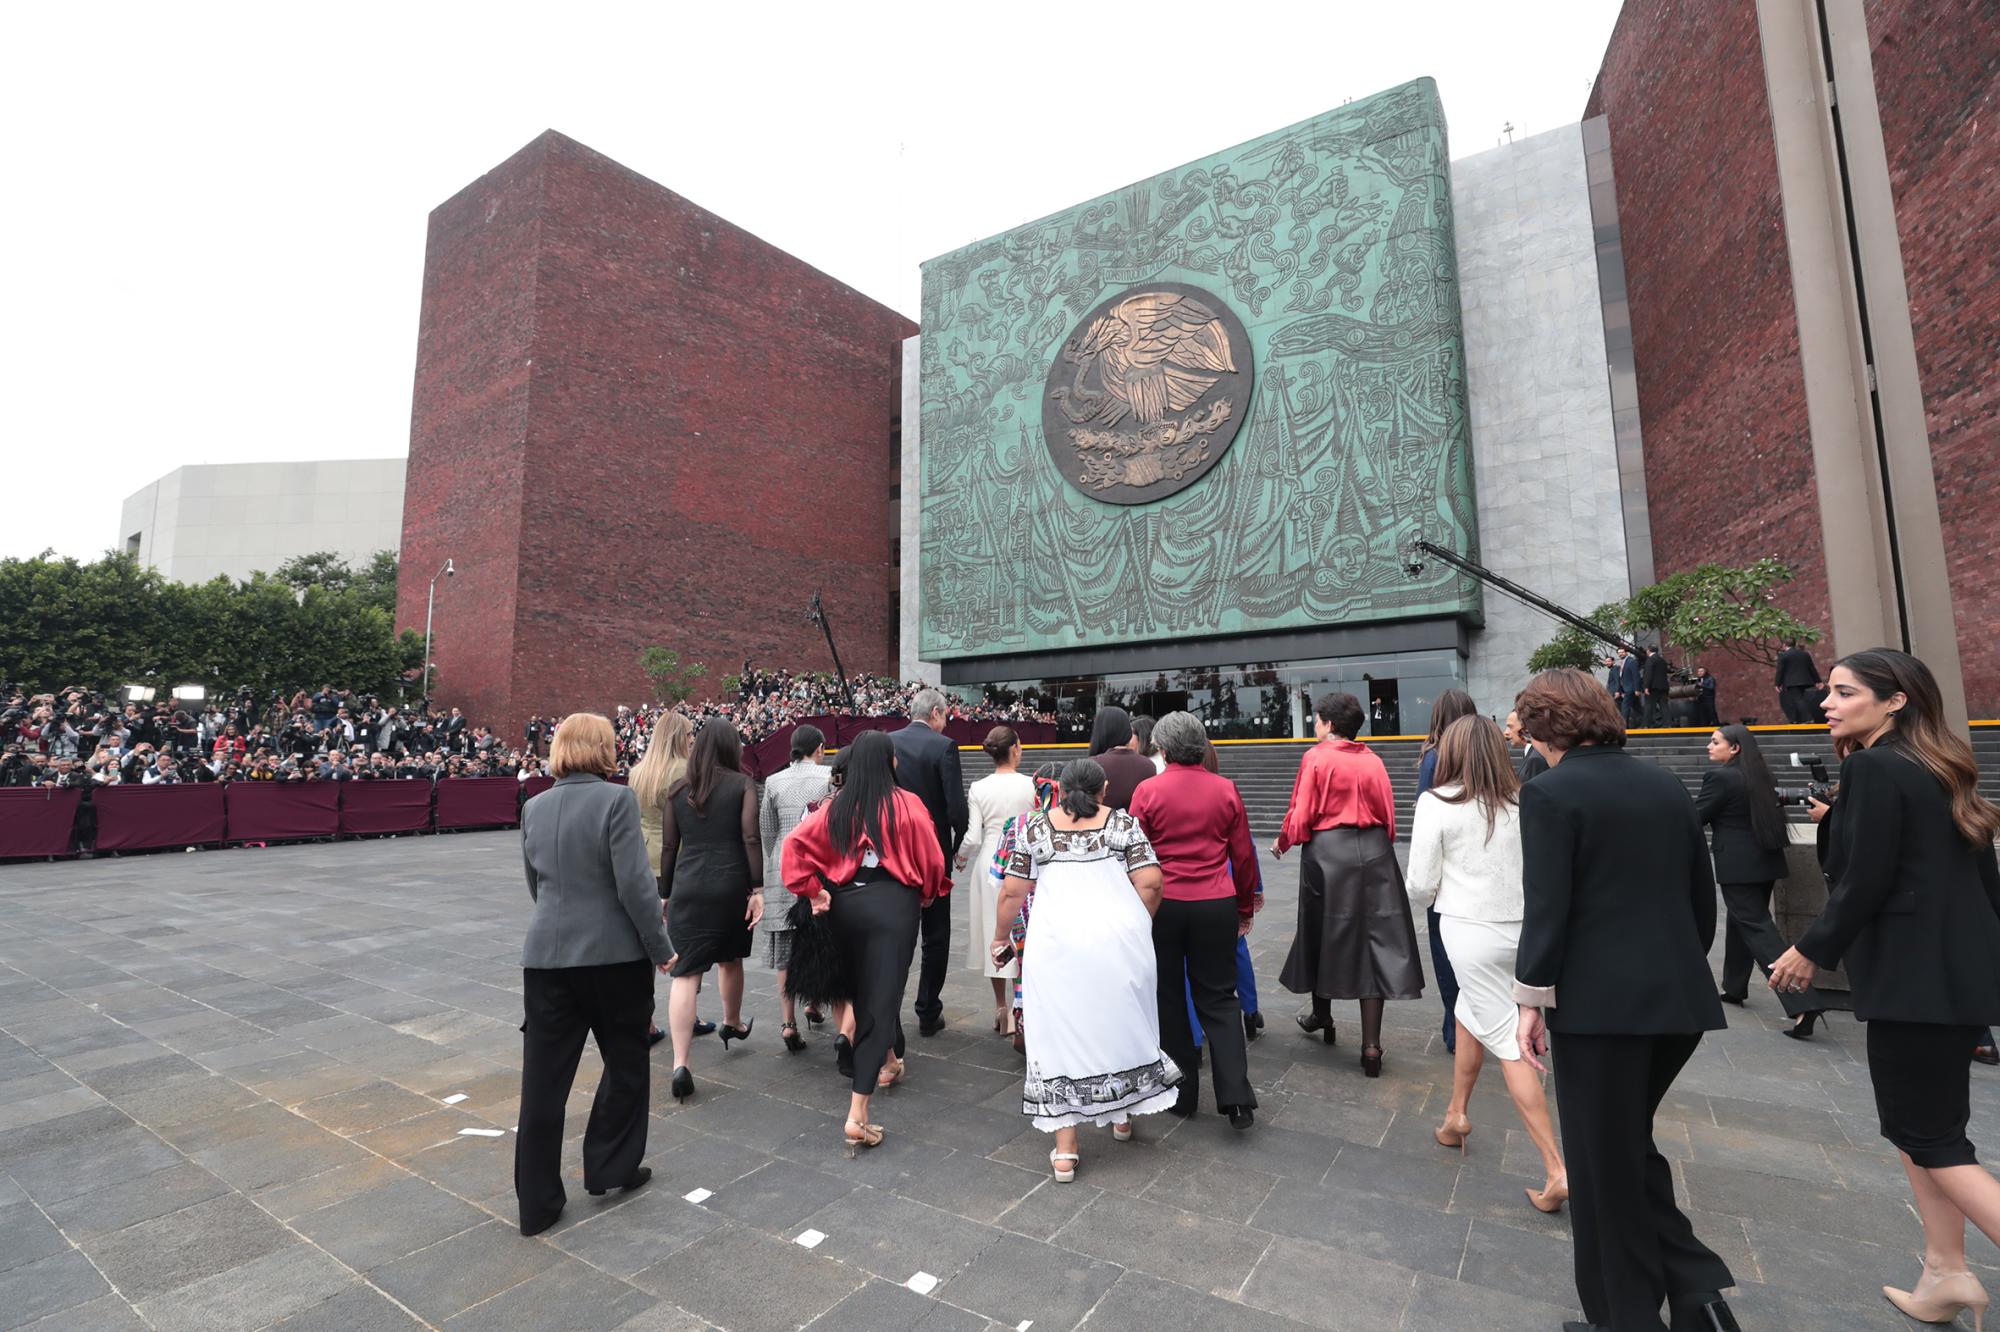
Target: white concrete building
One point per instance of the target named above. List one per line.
(239, 518)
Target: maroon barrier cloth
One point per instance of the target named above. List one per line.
(385, 807)
(775, 751)
(534, 786)
(37, 820)
(279, 811)
(480, 802)
(141, 818)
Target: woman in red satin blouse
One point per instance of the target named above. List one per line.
(1355, 937)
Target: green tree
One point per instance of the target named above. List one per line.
(672, 681)
(1718, 608)
(1574, 648)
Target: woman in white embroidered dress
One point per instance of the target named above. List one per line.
(1095, 1056)
(1465, 845)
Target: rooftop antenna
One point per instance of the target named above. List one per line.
(1508, 130)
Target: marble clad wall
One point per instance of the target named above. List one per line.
(1543, 449)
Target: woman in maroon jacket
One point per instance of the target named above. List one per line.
(1195, 821)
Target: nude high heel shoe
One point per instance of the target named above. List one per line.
(1938, 1298)
(1453, 1132)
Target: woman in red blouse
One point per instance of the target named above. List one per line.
(229, 744)
(1355, 938)
(870, 856)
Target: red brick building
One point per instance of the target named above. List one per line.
(637, 424)
(1729, 465)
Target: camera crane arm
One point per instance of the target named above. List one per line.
(817, 614)
(1413, 563)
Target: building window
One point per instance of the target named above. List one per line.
(132, 544)
(896, 552)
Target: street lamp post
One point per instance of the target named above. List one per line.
(430, 606)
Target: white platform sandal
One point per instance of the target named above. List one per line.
(1122, 1132)
(1056, 1159)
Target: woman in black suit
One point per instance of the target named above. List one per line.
(1618, 916)
(1740, 804)
(1914, 909)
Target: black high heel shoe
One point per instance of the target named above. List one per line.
(843, 1056)
(655, 1036)
(1740, 999)
(729, 1033)
(1371, 1062)
(1802, 1029)
(814, 1017)
(683, 1083)
(793, 1041)
(1313, 1022)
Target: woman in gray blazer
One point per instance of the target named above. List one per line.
(587, 967)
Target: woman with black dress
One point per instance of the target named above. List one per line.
(871, 857)
(1747, 836)
(1913, 909)
(712, 875)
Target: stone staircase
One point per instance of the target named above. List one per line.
(1264, 769)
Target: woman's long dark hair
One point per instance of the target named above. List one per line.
(1450, 706)
(1919, 730)
(1082, 788)
(1767, 824)
(1110, 729)
(866, 802)
(717, 749)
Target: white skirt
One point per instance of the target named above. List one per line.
(983, 904)
(1482, 956)
(1094, 1053)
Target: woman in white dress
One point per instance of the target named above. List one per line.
(1095, 1057)
(990, 802)
(1465, 846)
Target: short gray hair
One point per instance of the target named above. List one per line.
(925, 703)
(1181, 737)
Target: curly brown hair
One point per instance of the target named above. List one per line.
(1565, 708)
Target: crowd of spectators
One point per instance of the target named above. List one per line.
(82, 737)
(79, 737)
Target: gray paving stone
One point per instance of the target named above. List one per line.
(1328, 1287)
(171, 1251)
(1440, 1303)
(568, 1295)
(388, 1222)
(107, 1313)
(882, 1306)
(251, 1295)
(186, 1099)
(26, 1236)
(1378, 1228)
(1140, 1303)
(129, 1201)
(895, 1238)
(289, 1199)
(1201, 1252)
(357, 1308)
(369, 1106)
(48, 1286)
(54, 1104)
(740, 1278)
(775, 1196)
(93, 1163)
(1118, 1167)
(1049, 1208)
(449, 1277)
(1019, 1279)
(646, 1229)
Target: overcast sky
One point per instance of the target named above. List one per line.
(215, 237)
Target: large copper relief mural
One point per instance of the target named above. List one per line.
(1216, 402)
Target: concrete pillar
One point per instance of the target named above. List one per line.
(1884, 543)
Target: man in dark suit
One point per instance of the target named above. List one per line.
(1795, 679)
(927, 767)
(1659, 688)
(1618, 917)
(1631, 684)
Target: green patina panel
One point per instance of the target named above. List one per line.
(1330, 245)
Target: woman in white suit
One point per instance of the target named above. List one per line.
(1465, 846)
(1005, 793)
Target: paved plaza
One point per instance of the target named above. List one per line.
(275, 1087)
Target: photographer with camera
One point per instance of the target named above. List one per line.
(1744, 812)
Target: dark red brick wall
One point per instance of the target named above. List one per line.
(706, 440)
(1937, 79)
(1715, 339)
(462, 492)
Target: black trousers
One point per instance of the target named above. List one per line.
(1447, 979)
(1657, 702)
(1797, 703)
(876, 923)
(1749, 934)
(614, 1004)
(936, 931)
(1634, 1247)
(1198, 940)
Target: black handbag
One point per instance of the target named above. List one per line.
(817, 973)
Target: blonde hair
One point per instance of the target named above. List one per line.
(665, 760)
(584, 743)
